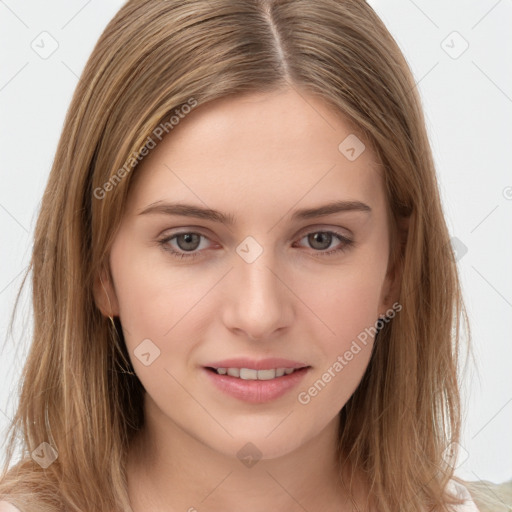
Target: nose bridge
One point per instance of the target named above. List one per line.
(259, 301)
(256, 271)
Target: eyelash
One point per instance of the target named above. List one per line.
(346, 244)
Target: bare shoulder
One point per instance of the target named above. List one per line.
(5, 506)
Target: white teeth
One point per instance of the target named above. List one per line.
(251, 374)
(234, 372)
(248, 374)
(266, 374)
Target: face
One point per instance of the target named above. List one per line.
(266, 281)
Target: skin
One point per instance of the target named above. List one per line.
(260, 157)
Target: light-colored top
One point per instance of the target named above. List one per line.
(454, 488)
(460, 491)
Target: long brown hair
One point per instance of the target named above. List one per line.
(78, 394)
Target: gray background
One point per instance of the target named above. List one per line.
(467, 96)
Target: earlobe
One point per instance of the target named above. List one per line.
(104, 294)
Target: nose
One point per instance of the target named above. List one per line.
(258, 303)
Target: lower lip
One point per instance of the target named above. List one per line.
(256, 391)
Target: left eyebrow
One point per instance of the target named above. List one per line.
(330, 208)
(189, 210)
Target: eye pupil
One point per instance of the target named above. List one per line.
(321, 238)
(189, 238)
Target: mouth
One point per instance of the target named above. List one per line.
(255, 386)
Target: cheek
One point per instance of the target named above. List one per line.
(148, 290)
(346, 300)
(349, 312)
(160, 303)
(146, 301)
(348, 307)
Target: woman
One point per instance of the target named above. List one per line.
(302, 352)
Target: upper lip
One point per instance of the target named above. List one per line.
(260, 364)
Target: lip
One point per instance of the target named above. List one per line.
(256, 391)
(261, 364)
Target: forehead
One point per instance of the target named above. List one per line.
(280, 147)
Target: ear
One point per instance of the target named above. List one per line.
(104, 293)
(391, 287)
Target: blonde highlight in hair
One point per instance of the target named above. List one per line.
(78, 392)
